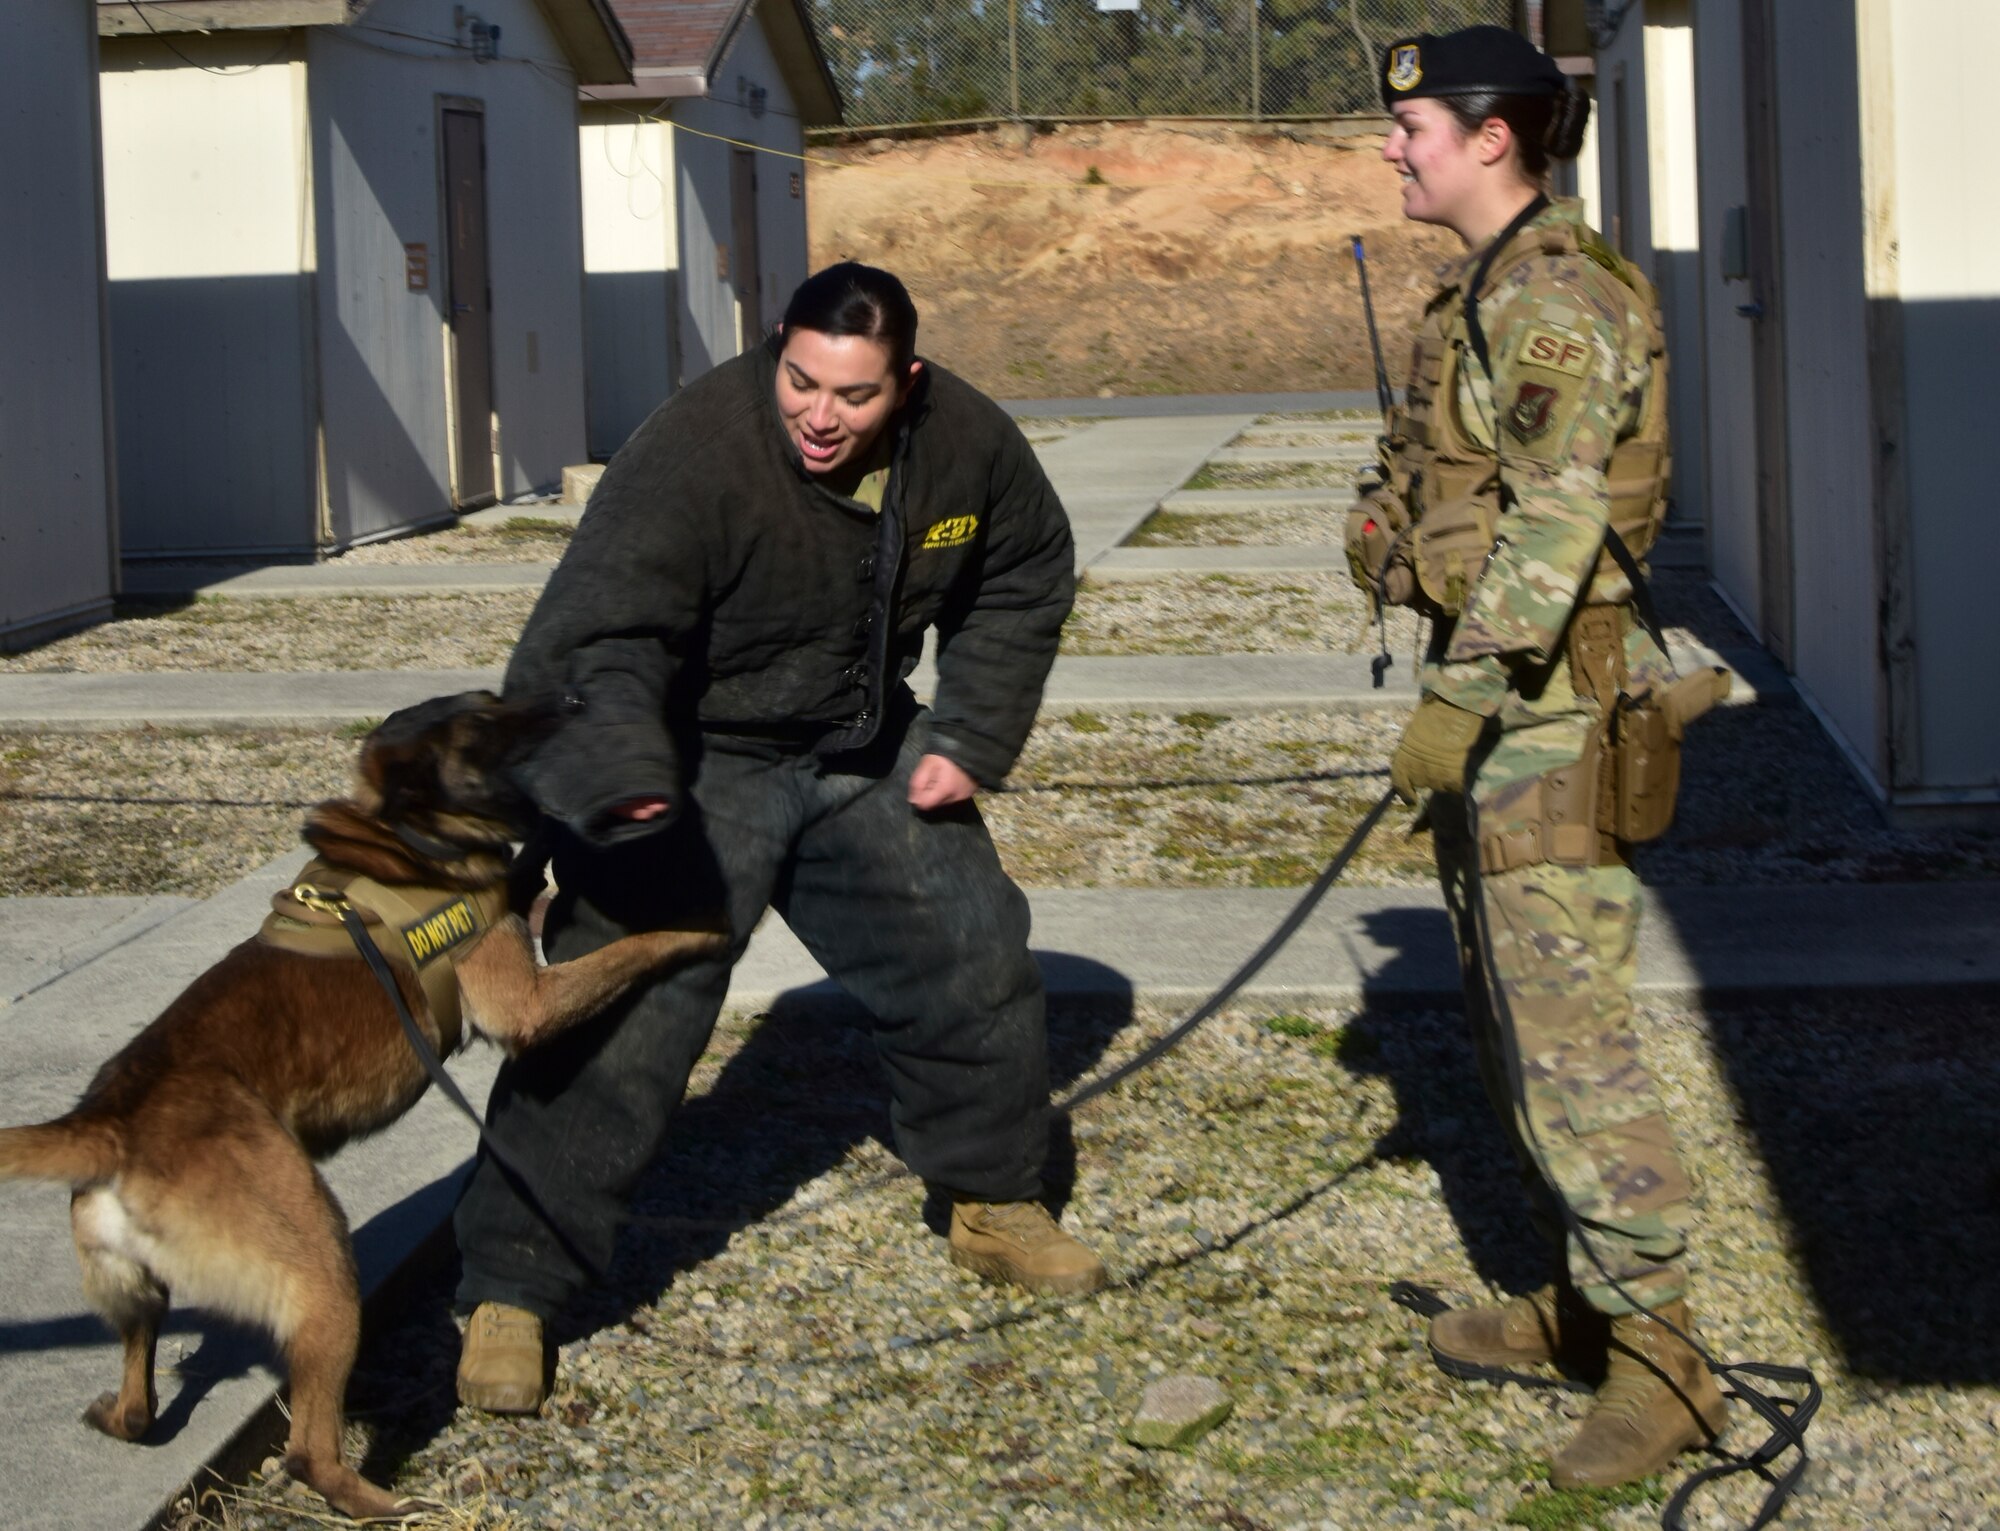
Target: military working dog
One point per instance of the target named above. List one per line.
(190, 1156)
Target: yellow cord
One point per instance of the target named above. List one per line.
(838, 164)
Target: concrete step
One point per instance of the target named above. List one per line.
(579, 481)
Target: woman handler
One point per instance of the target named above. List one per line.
(729, 632)
(1521, 478)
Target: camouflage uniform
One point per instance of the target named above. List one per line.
(1569, 346)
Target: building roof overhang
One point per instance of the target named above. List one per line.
(588, 30)
(679, 47)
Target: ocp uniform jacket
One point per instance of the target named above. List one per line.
(713, 581)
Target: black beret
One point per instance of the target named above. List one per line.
(1472, 60)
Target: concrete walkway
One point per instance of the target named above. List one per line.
(1181, 405)
(296, 581)
(1111, 476)
(55, 1355)
(66, 702)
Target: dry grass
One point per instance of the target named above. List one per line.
(427, 632)
(156, 811)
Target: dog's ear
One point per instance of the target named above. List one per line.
(400, 757)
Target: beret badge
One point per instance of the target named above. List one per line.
(1406, 67)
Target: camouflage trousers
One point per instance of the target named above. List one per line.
(1548, 955)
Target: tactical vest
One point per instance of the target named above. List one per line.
(419, 929)
(1443, 490)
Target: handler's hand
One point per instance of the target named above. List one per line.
(641, 809)
(1436, 747)
(939, 783)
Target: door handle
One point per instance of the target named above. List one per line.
(466, 308)
(1751, 310)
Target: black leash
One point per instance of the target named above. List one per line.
(1787, 1417)
(427, 1055)
(1252, 965)
(523, 1183)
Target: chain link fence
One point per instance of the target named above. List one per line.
(908, 62)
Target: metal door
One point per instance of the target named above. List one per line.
(1766, 314)
(745, 260)
(471, 318)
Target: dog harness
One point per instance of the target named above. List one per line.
(420, 929)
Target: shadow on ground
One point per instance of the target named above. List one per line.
(795, 1099)
(1876, 1116)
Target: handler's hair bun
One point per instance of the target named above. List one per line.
(1564, 138)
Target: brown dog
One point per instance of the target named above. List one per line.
(190, 1155)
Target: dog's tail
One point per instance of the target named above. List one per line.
(70, 1150)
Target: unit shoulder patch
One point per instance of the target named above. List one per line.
(1557, 350)
(1533, 411)
(951, 532)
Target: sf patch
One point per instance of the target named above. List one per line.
(1532, 412)
(1557, 350)
(951, 532)
(1406, 67)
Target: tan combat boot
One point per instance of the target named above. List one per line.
(1490, 1343)
(1019, 1243)
(1657, 1401)
(503, 1366)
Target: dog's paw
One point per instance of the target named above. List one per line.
(120, 1424)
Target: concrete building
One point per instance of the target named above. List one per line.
(345, 260)
(58, 524)
(1805, 180)
(694, 199)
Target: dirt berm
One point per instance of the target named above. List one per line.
(1123, 259)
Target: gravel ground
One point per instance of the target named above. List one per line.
(1292, 613)
(1319, 416)
(157, 811)
(425, 632)
(1344, 435)
(1275, 475)
(524, 539)
(1283, 525)
(795, 1351)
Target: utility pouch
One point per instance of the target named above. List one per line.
(1555, 819)
(1647, 743)
(1377, 547)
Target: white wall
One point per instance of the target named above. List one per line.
(1673, 219)
(1946, 241)
(709, 322)
(376, 102)
(631, 258)
(57, 559)
(207, 240)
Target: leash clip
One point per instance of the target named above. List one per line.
(319, 899)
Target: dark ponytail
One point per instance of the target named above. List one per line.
(853, 299)
(1545, 127)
